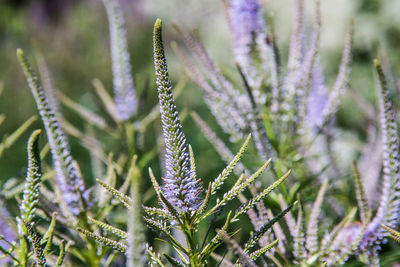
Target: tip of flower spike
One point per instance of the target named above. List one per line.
(381, 75)
(34, 137)
(377, 64)
(158, 22)
(157, 39)
(22, 60)
(20, 53)
(37, 132)
(21, 56)
(157, 25)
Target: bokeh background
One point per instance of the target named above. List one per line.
(73, 36)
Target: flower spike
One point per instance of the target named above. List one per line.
(247, 27)
(388, 208)
(33, 178)
(180, 188)
(68, 178)
(124, 88)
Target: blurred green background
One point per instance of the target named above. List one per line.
(74, 39)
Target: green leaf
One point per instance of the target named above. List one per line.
(9, 254)
(216, 241)
(106, 99)
(157, 226)
(192, 162)
(11, 139)
(86, 114)
(153, 257)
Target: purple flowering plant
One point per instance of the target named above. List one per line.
(290, 112)
(286, 111)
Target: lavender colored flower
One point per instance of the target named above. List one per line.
(68, 178)
(235, 111)
(388, 209)
(294, 68)
(247, 26)
(342, 80)
(370, 165)
(226, 103)
(124, 88)
(6, 232)
(344, 243)
(180, 187)
(317, 98)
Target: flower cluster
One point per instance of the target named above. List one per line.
(69, 181)
(294, 200)
(181, 187)
(125, 96)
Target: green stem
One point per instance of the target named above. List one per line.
(130, 137)
(189, 232)
(91, 257)
(23, 251)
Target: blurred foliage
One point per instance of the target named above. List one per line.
(73, 37)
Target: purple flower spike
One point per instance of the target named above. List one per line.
(125, 96)
(6, 232)
(388, 209)
(247, 25)
(68, 178)
(317, 98)
(181, 187)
